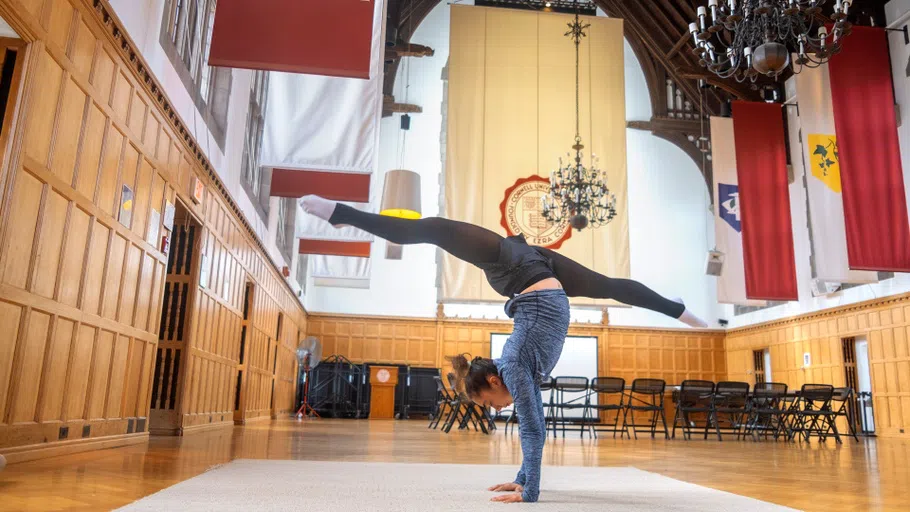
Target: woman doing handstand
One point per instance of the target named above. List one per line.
(537, 283)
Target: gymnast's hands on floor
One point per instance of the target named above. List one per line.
(507, 487)
(514, 497)
(513, 488)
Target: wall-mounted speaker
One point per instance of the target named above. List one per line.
(714, 266)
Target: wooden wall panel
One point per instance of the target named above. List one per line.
(673, 356)
(81, 294)
(387, 340)
(884, 323)
(622, 352)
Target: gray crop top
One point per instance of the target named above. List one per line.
(520, 265)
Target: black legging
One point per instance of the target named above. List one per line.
(477, 245)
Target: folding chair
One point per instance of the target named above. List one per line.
(842, 403)
(768, 411)
(444, 401)
(646, 395)
(814, 417)
(695, 396)
(603, 389)
(730, 399)
(563, 385)
(546, 389)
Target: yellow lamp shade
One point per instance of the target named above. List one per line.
(401, 213)
(401, 195)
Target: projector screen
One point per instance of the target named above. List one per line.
(579, 359)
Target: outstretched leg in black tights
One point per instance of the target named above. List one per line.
(580, 281)
(477, 245)
(467, 242)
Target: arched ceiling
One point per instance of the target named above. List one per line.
(658, 32)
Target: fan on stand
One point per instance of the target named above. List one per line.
(309, 354)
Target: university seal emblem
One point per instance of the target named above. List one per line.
(520, 209)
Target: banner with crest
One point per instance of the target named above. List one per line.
(509, 120)
(823, 179)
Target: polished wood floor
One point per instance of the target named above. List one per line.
(871, 475)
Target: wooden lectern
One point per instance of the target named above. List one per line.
(383, 380)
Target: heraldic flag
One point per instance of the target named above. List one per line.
(872, 181)
(728, 238)
(821, 158)
(761, 166)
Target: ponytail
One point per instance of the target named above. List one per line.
(473, 375)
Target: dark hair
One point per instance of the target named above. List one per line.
(473, 375)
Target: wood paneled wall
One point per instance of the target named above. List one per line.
(81, 293)
(622, 352)
(885, 324)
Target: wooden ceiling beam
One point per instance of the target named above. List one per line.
(741, 91)
(686, 37)
(669, 124)
(408, 50)
(620, 8)
(389, 107)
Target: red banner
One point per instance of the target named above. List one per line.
(318, 37)
(875, 207)
(764, 201)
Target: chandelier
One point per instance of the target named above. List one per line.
(577, 194)
(745, 38)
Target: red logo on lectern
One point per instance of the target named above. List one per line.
(521, 213)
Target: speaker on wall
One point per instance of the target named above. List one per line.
(714, 265)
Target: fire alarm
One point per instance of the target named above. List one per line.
(165, 243)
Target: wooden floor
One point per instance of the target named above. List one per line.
(872, 475)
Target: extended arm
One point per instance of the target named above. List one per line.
(532, 427)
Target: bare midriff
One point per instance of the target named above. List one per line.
(551, 283)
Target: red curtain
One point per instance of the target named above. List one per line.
(875, 207)
(318, 37)
(764, 201)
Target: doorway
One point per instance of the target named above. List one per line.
(245, 325)
(179, 293)
(12, 62)
(858, 376)
(762, 365)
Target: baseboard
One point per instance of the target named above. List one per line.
(58, 448)
(195, 429)
(257, 419)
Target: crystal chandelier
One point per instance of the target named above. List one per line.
(578, 195)
(745, 38)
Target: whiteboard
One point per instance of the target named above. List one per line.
(578, 359)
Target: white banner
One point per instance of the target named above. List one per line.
(820, 158)
(324, 123)
(728, 237)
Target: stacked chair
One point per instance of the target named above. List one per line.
(458, 408)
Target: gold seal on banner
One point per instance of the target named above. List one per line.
(521, 213)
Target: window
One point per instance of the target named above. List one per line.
(302, 262)
(186, 36)
(285, 236)
(252, 177)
